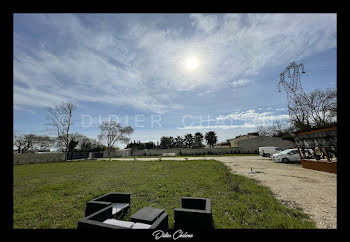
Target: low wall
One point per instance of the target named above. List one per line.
(320, 165)
(35, 158)
(94, 155)
(118, 153)
(186, 151)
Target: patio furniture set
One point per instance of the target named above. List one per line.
(108, 212)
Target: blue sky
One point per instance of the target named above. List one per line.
(134, 68)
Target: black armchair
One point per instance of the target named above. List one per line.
(120, 203)
(194, 214)
(103, 219)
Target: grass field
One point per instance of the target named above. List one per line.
(53, 195)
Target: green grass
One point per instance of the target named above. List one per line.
(53, 195)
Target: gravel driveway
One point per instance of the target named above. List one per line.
(313, 191)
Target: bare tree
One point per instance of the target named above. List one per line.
(315, 109)
(59, 121)
(111, 132)
(24, 142)
(264, 131)
(43, 142)
(322, 106)
(277, 129)
(74, 141)
(299, 112)
(19, 141)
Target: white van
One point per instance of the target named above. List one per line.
(268, 151)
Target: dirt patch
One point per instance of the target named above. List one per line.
(315, 192)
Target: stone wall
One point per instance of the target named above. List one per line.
(186, 151)
(35, 158)
(252, 145)
(118, 153)
(248, 146)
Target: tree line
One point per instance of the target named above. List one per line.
(59, 122)
(43, 143)
(187, 141)
(308, 110)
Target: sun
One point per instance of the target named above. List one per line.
(192, 63)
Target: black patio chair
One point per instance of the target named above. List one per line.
(120, 203)
(194, 214)
(104, 220)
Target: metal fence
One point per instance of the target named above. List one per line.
(77, 155)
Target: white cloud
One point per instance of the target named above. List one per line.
(143, 68)
(89, 76)
(241, 83)
(238, 120)
(253, 117)
(205, 23)
(246, 125)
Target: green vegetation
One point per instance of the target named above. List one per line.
(53, 195)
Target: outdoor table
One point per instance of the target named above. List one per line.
(146, 215)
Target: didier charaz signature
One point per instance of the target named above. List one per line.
(178, 234)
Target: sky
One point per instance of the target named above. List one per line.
(166, 74)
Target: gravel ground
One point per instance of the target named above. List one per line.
(313, 191)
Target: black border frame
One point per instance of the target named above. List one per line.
(292, 7)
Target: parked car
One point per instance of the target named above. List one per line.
(268, 151)
(289, 155)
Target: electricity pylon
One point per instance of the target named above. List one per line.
(294, 91)
(292, 87)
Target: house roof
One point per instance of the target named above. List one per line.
(317, 130)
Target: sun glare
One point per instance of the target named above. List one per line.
(192, 63)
